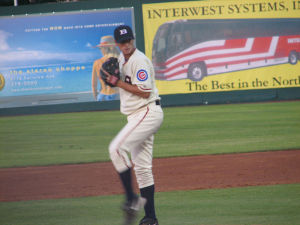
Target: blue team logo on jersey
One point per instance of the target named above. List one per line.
(142, 75)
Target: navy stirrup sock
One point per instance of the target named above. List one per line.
(127, 184)
(148, 193)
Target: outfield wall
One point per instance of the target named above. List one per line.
(220, 97)
(167, 101)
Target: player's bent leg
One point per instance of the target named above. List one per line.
(118, 149)
(119, 158)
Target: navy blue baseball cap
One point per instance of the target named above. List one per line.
(123, 33)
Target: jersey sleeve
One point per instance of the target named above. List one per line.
(142, 75)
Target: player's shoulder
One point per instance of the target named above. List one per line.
(138, 53)
(140, 56)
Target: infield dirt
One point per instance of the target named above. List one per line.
(181, 173)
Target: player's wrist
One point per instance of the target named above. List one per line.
(119, 83)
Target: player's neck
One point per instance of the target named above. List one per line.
(127, 56)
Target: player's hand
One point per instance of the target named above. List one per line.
(110, 79)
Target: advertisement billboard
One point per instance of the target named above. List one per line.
(211, 46)
(49, 58)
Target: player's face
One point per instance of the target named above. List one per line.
(127, 47)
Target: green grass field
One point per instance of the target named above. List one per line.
(213, 129)
(84, 137)
(264, 205)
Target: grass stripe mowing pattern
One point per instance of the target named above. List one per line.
(264, 205)
(84, 137)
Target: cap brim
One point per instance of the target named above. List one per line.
(125, 39)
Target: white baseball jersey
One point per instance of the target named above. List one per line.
(137, 70)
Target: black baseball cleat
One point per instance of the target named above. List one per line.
(148, 221)
(132, 208)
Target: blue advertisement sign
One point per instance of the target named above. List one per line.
(53, 54)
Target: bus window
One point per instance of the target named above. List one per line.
(160, 44)
(175, 40)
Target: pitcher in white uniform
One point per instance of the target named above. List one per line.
(140, 102)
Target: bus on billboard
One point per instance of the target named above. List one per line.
(193, 49)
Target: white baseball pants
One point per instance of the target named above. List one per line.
(137, 138)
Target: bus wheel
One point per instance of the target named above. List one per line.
(293, 57)
(197, 71)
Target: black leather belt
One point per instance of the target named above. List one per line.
(157, 102)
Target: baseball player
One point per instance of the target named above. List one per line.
(140, 102)
(108, 48)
